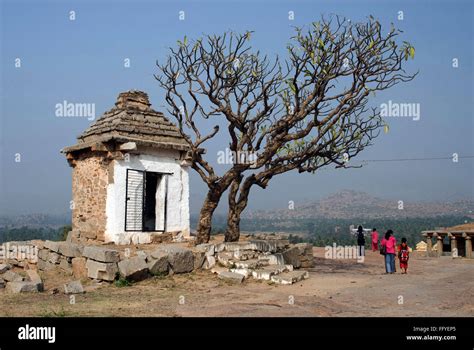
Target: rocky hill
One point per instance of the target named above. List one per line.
(349, 204)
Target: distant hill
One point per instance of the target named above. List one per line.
(350, 204)
(53, 221)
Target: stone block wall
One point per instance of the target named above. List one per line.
(89, 194)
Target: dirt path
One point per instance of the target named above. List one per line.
(433, 287)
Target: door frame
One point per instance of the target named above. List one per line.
(165, 176)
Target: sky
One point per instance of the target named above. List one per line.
(82, 61)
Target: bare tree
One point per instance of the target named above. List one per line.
(311, 113)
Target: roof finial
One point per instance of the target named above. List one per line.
(133, 99)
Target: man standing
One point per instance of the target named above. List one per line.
(361, 241)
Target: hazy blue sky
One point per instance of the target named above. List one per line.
(82, 61)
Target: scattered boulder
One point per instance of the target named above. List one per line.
(79, 269)
(207, 248)
(52, 245)
(54, 258)
(101, 271)
(158, 264)
(101, 254)
(199, 258)
(21, 287)
(74, 287)
(4, 268)
(133, 269)
(209, 263)
(36, 279)
(44, 265)
(267, 272)
(11, 276)
(290, 277)
(251, 264)
(244, 272)
(65, 265)
(231, 276)
(225, 258)
(2, 283)
(292, 257)
(71, 250)
(181, 260)
(142, 254)
(43, 254)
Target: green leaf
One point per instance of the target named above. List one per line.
(185, 40)
(386, 128)
(247, 35)
(371, 44)
(412, 52)
(292, 86)
(321, 44)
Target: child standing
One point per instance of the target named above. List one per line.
(375, 240)
(403, 255)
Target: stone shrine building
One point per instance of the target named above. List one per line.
(130, 175)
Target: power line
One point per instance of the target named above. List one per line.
(414, 159)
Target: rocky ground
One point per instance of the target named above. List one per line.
(433, 287)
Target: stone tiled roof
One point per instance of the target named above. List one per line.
(132, 119)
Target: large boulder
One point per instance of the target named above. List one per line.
(207, 248)
(52, 245)
(35, 278)
(45, 265)
(181, 260)
(133, 269)
(74, 287)
(71, 250)
(158, 263)
(22, 287)
(43, 254)
(209, 263)
(101, 254)
(199, 258)
(292, 257)
(11, 276)
(101, 271)
(231, 276)
(4, 268)
(54, 258)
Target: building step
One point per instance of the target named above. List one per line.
(290, 277)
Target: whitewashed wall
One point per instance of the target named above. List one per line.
(166, 161)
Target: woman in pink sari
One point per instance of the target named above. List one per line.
(375, 240)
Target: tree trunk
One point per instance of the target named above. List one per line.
(205, 216)
(232, 233)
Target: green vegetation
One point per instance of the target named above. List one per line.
(26, 233)
(122, 282)
(322, 231)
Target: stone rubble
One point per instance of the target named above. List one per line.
(269, 258)
(74, 287)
